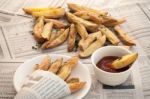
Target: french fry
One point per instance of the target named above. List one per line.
(89, 16)
(95, 45)
(59, 40)
(118, 21)
(57, 24)
(72, 37)
(108, 19)
(127, 47)
(127, 40)
(75, 8)
(52, 38)
(29, 10)
(64, 72)
(52, 13)
(67, 67)
(84, 43)
(60, 32)
(56, 66)
(89, 25)
(44, 65)
(76, 86)
(47, 30)
(72, 80)
(110, 35)
(81, 30)
(72, 62)
(124, 61)
(96, 34)
(38, 28)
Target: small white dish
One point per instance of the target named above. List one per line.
(27, 68)
(109, 78)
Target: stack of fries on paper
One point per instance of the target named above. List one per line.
(84, 28)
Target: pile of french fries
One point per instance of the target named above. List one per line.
(63, 70)
(93, 28)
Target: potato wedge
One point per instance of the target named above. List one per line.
(124, 61)
(76, 7)
(84, 43)
(89, 16)
(29, 10)
(67, 67)
(52, 13)
(47, 30)
(110, 35)
(72, 37)
(96, 34)
(54, 35)
(72, 62)
(81, 30)
(56, 66)
(57, 24)
(90, 26)
(72, 80)
(76, 86)
(38, 28)
(64, 72)
(59, 40)
(44, 65)
(127, 47)
(95, 45)
(118, 21)
(60, 32)
(127, 40)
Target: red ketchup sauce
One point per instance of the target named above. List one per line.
(105, 64)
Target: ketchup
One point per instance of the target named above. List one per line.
(105, 64)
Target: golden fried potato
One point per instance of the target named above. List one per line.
(89, 16)
(47, 30)
(90, 26)
(64, 72)
(29, 10)
(44, 65)
(97, 34)
(110, 35)
(117, 22)
(76, 86)
(127, 40)
(124, 61)
(67, 67)
(95, 45)
(72, 62)
(53, 36)
(57, 24)
(76, 8)
(127, 47)
(38, 28)
(59, 40)
(52, 13)
(81, 30)
(60, 32)
(84, 43)
(55, 66)
(72, 80)
(72, 37)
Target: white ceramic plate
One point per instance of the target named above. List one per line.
(27, 68)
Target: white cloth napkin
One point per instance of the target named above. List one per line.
(43, 85)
